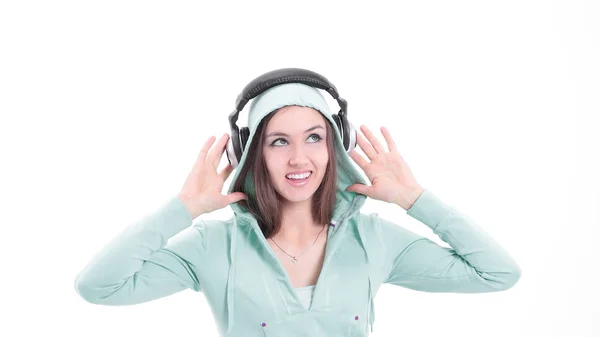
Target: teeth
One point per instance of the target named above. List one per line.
(298, 176)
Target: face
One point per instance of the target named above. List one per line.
(292, 144)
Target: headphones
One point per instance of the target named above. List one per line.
(239, 137)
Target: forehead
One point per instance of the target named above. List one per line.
(295, 117)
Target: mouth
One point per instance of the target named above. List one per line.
(299, 180)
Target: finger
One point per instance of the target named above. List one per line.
(388, 138)
(362, 162)
(226, 172)
(214, 157)
(371, 137)
(365, 146)
(205, 148)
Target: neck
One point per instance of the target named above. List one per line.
(298, 226)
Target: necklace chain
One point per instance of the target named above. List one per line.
(295, 258)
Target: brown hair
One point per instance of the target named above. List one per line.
(265, 203)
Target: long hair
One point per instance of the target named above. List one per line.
(266, 204)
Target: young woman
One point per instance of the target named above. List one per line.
(297, 258)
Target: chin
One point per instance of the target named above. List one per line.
(297, 196)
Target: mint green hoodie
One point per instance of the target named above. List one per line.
(244, 282)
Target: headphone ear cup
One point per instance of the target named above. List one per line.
(230, 148)
(338, 123)
(235, 147)
(244, 135)
(353, 137)
(347, 131)
(336, 119)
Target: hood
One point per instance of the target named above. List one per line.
(347, 203)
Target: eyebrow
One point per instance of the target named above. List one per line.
(284, 134)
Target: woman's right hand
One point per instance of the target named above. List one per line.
(201, 192)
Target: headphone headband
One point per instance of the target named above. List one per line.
(281, 76)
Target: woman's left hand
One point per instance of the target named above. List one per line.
(391, 179)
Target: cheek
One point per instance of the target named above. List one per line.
(273, 161)
(323, 158)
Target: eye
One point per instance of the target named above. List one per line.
(316, 136)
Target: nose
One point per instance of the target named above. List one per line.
(298, 156)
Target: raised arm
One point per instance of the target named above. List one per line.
(475, 262)
(139, 265)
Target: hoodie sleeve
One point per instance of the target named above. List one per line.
(139, 265)
(475, 263)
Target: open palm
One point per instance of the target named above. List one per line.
(201, 191)
(391, 178)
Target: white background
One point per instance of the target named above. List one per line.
(494, 106)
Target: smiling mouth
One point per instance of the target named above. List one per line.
(300, 179)
(299, 183)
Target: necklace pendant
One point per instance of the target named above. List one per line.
(294, 259)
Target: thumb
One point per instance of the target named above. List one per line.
(237, 196)
(226, 172)
(358, 188)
